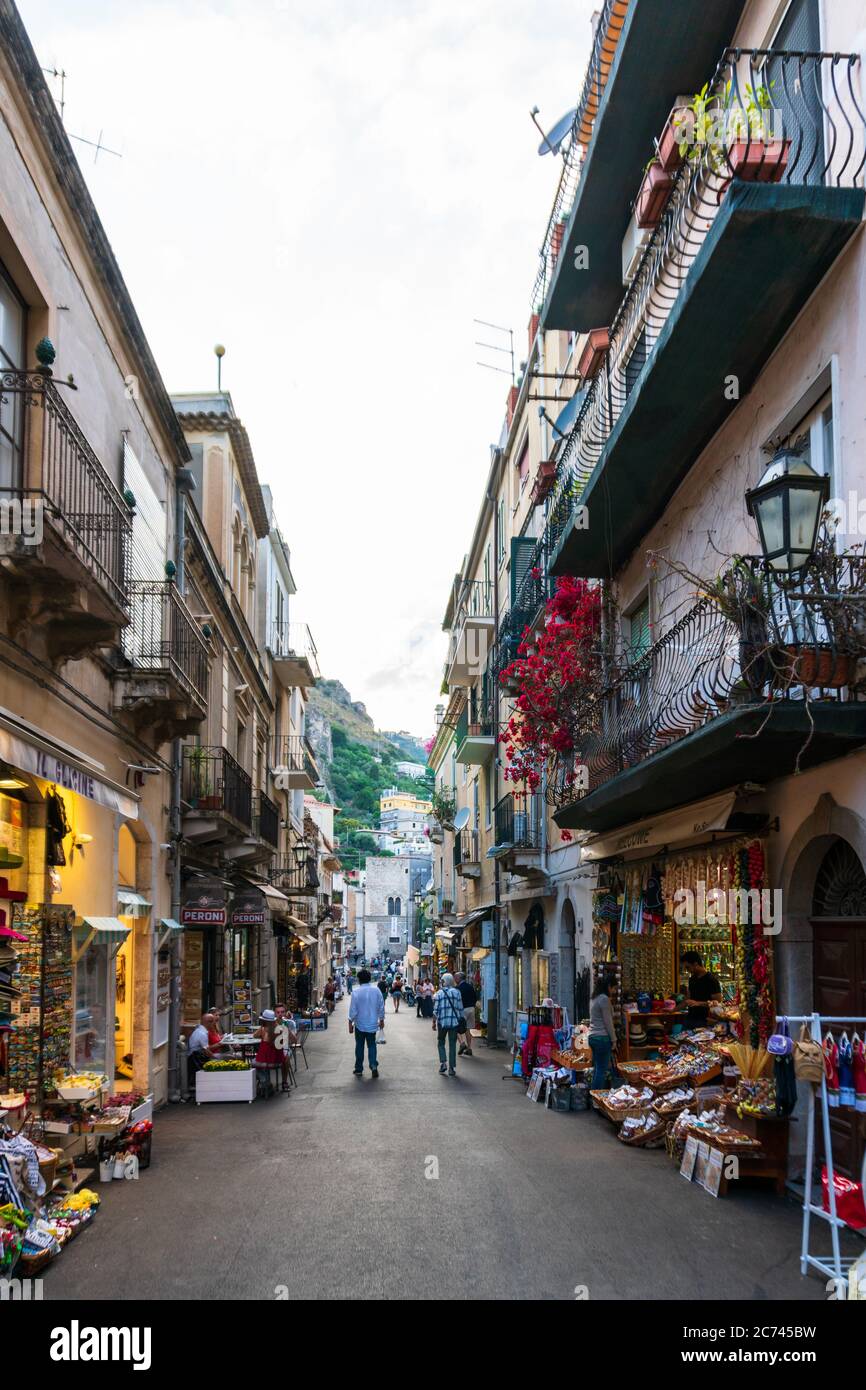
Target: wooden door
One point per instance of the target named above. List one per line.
(839, 964)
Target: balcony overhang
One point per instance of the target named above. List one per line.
(476, 749)
(295, 778)
(768, 248)
(294, 672)
(475, 637)
(470, 868)
(664, 51)
(727, 751)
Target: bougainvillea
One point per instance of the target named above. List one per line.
(556, 677)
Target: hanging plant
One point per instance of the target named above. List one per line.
(556, 678)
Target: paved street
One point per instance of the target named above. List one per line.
(325, 1192)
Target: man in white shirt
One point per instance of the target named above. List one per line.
(366, 1016)
(198, 1046)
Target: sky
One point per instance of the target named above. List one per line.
(334, 191)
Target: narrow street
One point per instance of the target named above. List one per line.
(325, 1193)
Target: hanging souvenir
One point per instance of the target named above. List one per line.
(831, 1070)
(859, 1052)
(846, 1072)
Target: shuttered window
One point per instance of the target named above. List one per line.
(638, 636)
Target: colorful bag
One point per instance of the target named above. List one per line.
(850, 1207)
(780, 1044)
(808, 1058)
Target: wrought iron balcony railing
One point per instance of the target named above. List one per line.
(476, 719)
(798, 644)
(517, 820)
(214, 782)
(163, 636)
(608, 29)
(291, 877)
(466, 850)
(60, 469)
(293, 754)
(267, 820)
(294, 641)
(772, 116)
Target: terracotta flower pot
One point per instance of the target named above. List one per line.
(815, 667)
(670, 158)
(755, 161)
(653, 196)
(593, 354)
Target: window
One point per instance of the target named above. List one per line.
(12, 326)
(239, 953)
(488, 793)
(390, 907)
(523, 465)
(398, 907)
(500, 529)
(637, 634)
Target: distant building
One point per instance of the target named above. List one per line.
(414, 770)
(401, 813)
(394, 885)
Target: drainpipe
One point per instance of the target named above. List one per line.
(185, 484)
(497, 885)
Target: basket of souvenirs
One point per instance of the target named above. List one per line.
(626, 1102)
(642, 1130)
(671, 1103)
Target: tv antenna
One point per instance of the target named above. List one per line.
(60, 75)
(496, 347)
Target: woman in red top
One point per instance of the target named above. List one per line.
(267, 1054)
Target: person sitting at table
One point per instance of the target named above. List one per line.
(268, 1055)
(199, 1046)
(214, 1036)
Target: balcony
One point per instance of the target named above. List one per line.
(467, 855)
(164, 688)
(756, 217)
(475, 736)
(518, 831)
(472, 634)
(218, 796)
(293, 878)
(69, 565)
(296, 661)
(266, 821)
(293, 764)
(646, 53)
(707, 708)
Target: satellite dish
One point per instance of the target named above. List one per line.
(461, 820)
(430, 886)
(554, 138)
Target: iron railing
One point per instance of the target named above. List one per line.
(214, 781)
(477, 718)
(267, 820)
(291, 877)
(466, 849)
(604, 47)
(295, 641)
(517, 819)
(797, 644)
(293, 753)
(783, 117)
(164, 637)
(61, 470)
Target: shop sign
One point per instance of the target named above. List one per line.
(204, 904)
(27, 757)
(248, 909)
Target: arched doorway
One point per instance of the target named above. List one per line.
(567, 958)
(839, 972)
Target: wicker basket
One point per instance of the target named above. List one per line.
(645, 1139)
(32, 1261)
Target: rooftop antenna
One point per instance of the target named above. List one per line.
(60, 74)
(494, 347)
(220, 352)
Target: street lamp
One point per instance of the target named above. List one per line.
(301, 851)
(786, 506)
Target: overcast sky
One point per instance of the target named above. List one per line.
(334, 190)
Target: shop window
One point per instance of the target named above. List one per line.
(91, 1010)
(239, 953)
(12, 329)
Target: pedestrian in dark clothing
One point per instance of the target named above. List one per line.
(469, 995)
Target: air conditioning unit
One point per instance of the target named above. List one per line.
(634, 244)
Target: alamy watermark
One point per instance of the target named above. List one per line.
(22, 516)
(722, 908)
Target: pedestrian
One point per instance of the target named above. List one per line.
(447, 1017)
(382, 983)
(469, 996)
(427, 1004)
(366, 1016)
(397, 991)
(330, 994)
(602, 1035)
(419, 997)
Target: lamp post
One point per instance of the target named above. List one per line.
(786, 506)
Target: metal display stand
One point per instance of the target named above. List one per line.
(837, 1267)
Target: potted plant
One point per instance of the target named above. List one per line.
(670, 147)
(653, 195)
(444, 807)
(593, 353)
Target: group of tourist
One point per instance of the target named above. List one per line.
(451, 1008)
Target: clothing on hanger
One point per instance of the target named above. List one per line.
(831, 1070)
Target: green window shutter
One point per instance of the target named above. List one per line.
(522, 548)
(639, 631)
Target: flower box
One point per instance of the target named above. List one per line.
(670, 158)
(215, 1086)
(653, 196)
(545, 478)
(758, 162)
(593, 354)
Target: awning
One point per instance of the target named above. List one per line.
(301, 930)
(446, 935)
(480, 952)
(33, 750)
(479, 915)
(108, 931)
(673, 828)
(413, 955)
(106, 926)
(137, 905)
(170, 924)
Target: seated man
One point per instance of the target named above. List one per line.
(199, 1048)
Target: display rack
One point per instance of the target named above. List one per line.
(837, 1269)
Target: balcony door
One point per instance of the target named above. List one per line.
(12, 348)
(795, 92)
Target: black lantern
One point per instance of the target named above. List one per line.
(786, 506)
(301, 851)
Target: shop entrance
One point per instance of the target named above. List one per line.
(839, 974)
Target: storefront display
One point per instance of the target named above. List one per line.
(40, 1043)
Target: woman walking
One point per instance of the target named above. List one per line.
(602, 1035)
(397, 991)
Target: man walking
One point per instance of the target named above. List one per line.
(447, 1015)
(366, 1015)
(469, 996)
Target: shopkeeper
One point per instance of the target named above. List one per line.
(704, 989)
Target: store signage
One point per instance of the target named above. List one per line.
(677, 827)
(248, 910)
(27, 757)
(204, 904)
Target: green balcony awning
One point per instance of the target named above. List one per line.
(133, 904)
(665, 50)
(769, 246)
(170, 924)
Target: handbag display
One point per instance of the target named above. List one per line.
(808, 1058)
